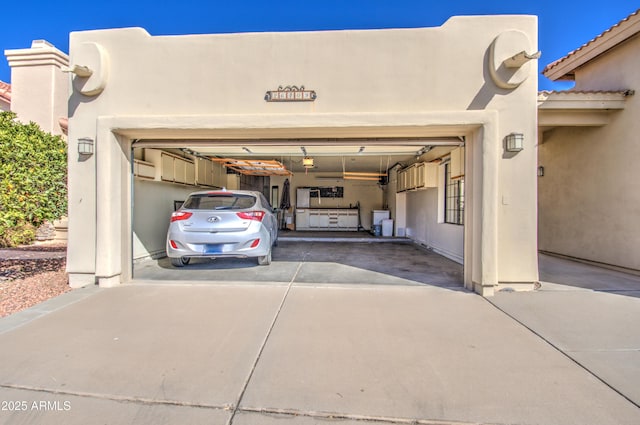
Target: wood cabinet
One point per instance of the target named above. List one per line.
(457, 163)
(421, 175)
(338, 219)
(143, 169)
(429, 175)
(209, 173)
(169, 167)
(167, 171)
(402, 181)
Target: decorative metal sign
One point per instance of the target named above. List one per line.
(290, 94)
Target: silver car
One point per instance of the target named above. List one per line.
(224, 223)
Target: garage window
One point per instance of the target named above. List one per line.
(453, 198)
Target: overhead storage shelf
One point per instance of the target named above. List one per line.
(422, 175)
(165, 166)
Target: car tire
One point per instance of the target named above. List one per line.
(180, 262)
(265, 260)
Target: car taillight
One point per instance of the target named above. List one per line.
(255, 243)
(180, 215)
(251, 215)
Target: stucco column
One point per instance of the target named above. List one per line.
(108, 207)
(489, 202)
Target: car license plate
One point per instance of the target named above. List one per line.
(213, 249)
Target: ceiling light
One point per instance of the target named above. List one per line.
(307, 162)
(423, 150)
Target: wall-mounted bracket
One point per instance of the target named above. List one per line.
(79, 70)
(509, 70)
(516, 61)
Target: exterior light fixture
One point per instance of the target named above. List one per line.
(515, 142)
(85, 146)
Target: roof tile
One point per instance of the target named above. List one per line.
(5, 91)
(590, 42)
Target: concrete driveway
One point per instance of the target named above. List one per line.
(294, 353)
(589, 313)
(314, 262)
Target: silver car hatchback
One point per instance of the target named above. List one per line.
(226, 223)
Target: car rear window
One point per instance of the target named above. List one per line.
(211, 201)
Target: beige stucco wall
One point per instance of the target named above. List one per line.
(380, 83)
(590, 193)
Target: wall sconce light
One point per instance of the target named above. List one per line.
(515, 142)
(541, 171)
(85, 146)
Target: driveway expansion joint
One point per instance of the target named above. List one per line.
(353, 417)
(603, 350)
(564, 352)
(264, 343)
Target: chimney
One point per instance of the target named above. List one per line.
(39, 88)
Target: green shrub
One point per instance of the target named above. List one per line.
(33, 179)
(20, 234)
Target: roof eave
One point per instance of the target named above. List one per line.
(563, 69)
(575, 100)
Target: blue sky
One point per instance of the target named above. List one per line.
(564, 25)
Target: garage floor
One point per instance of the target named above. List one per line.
(394, 262)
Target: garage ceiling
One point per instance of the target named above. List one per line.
(329, 155)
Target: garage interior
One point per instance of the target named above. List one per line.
(392, 209)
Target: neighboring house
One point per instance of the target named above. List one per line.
(5, 96)
(589, 195)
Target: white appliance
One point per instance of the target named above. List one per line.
(387, 227)
(378, 216)
(302, 198)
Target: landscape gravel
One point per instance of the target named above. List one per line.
(31, 275)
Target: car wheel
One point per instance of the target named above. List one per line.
(265, 260)
(180, 262)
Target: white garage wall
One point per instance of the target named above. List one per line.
(152, 208)
(423, 226)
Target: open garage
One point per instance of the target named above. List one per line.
(353, 195)
(425, 135)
